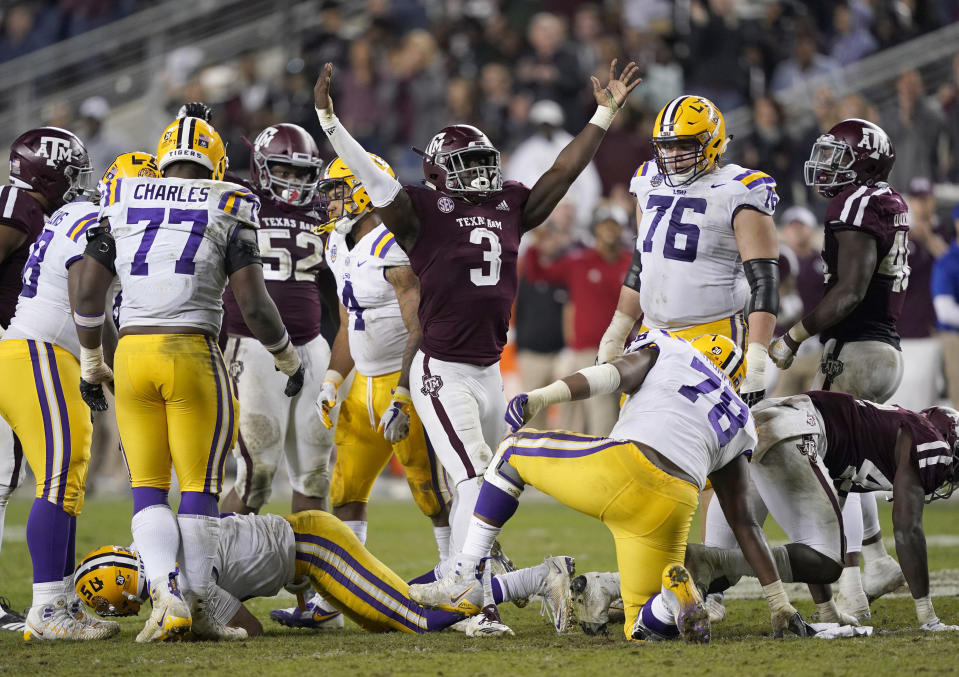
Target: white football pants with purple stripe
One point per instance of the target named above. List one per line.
(462, 407)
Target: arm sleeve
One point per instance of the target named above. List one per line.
(101, 247)
(381, 187)
(635, 268)
(763, 278)
(241, 252)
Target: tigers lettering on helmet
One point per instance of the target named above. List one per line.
(460, 161)
(111, 581)
(286, 163)
(347, 198)
(853, 151)
(192, 140)
(54, 163)
(689, 138)
(725, 354)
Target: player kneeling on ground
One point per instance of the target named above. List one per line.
(259, 555)
(682, 422)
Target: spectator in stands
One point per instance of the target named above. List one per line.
(496, 93)
(851, 39)
(537, 153)
(945, 299)
(805, 63)
(593, 278)
(914, 128)
(770, 147)
(625, 148)
(921, 351)
(549, 69)
(801, 270)
(540, 311)
(17, 32)
(949, 98)
(104, 143)
(716, 64)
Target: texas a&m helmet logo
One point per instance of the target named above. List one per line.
(55, 150)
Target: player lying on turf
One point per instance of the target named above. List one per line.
(813, 450)
(259, 555)
(682, 422)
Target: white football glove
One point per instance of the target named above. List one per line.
(395, 422)
(326, 400)
(612, 344)
(753, 389)
(782, 350)
(93, 369)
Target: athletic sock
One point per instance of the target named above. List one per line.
(873, 552)
(850, 583)
(48, 535)
(520, 583)
(870, 517)
(5, 492)
(442, 536)
(45, 593)
(157, 539)
(479, 538)
(358, 527)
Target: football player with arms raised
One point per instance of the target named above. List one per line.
(864, 253)
(461, 232)
(173, 242)
(40, 353)
(707, 253)
(682, 422)
(284, 170)
(379, 334)
(815, 449)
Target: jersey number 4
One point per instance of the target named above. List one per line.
(681, 238)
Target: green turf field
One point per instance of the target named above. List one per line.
(402, 538)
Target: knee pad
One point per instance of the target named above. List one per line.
(314, 484)
(504, 476)
(260, 485)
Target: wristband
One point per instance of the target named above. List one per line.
(327, 118)
(280, 345)
(924, 610)
(334, 377)
(603, 117)
(88, 321)
(798, 333)
(401, 394)
(602, 379)
(776, 595)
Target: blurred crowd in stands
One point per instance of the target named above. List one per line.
(520, 72)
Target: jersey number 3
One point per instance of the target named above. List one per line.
(681, 238)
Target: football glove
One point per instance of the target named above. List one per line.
(784, 621)
(195, 109)
(92, 394)
(753, 389)
(93, 369)
(295, 382)
(614, 338)
(516, 412)
(782, 351)
(326, 400)
(395, 421)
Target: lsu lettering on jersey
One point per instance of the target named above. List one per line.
(171, 238)
(43, 309)
(691, 269)
(686, 409)
(376, 331)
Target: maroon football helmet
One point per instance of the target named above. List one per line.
(52, 162)
(286, 144)
(461, 162)
(946, 421)
(853, 151)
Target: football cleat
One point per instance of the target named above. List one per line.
(170, 618)
(10, 620)
(486, 623)
(701, 565)
(715, 607)
(685, 602)
(881, 576)
(102, 628)
(205, 626)
(460, 591)
(54, 621)
(557, 600)
(596, 599)
(500, 563)
(314, 616)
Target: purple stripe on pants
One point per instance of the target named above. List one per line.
(219, 419)
(231, 394)
(451, 435)
(64, 470)
(45, 411)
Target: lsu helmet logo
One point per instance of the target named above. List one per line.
(54, 150)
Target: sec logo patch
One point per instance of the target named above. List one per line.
(445, 204)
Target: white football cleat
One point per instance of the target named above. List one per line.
(99, 626)
(205, 626)
(715, 607)
(486, 623)
(170, 618)
(595, 597)
(10, 620)
(54, 621)
(685, 602)
(881, 576)
(460, 591)
(557, 600)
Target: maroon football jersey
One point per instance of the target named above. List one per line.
(465, 258)
(880, 212)
(22, 212)
(861, 443)
(292, 258)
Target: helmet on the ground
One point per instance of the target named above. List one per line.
(111, 581)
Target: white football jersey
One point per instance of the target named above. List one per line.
(686, 409)
(376, 330)
(692, 272)
(171, 238)
(256, 555)
(43, 309)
